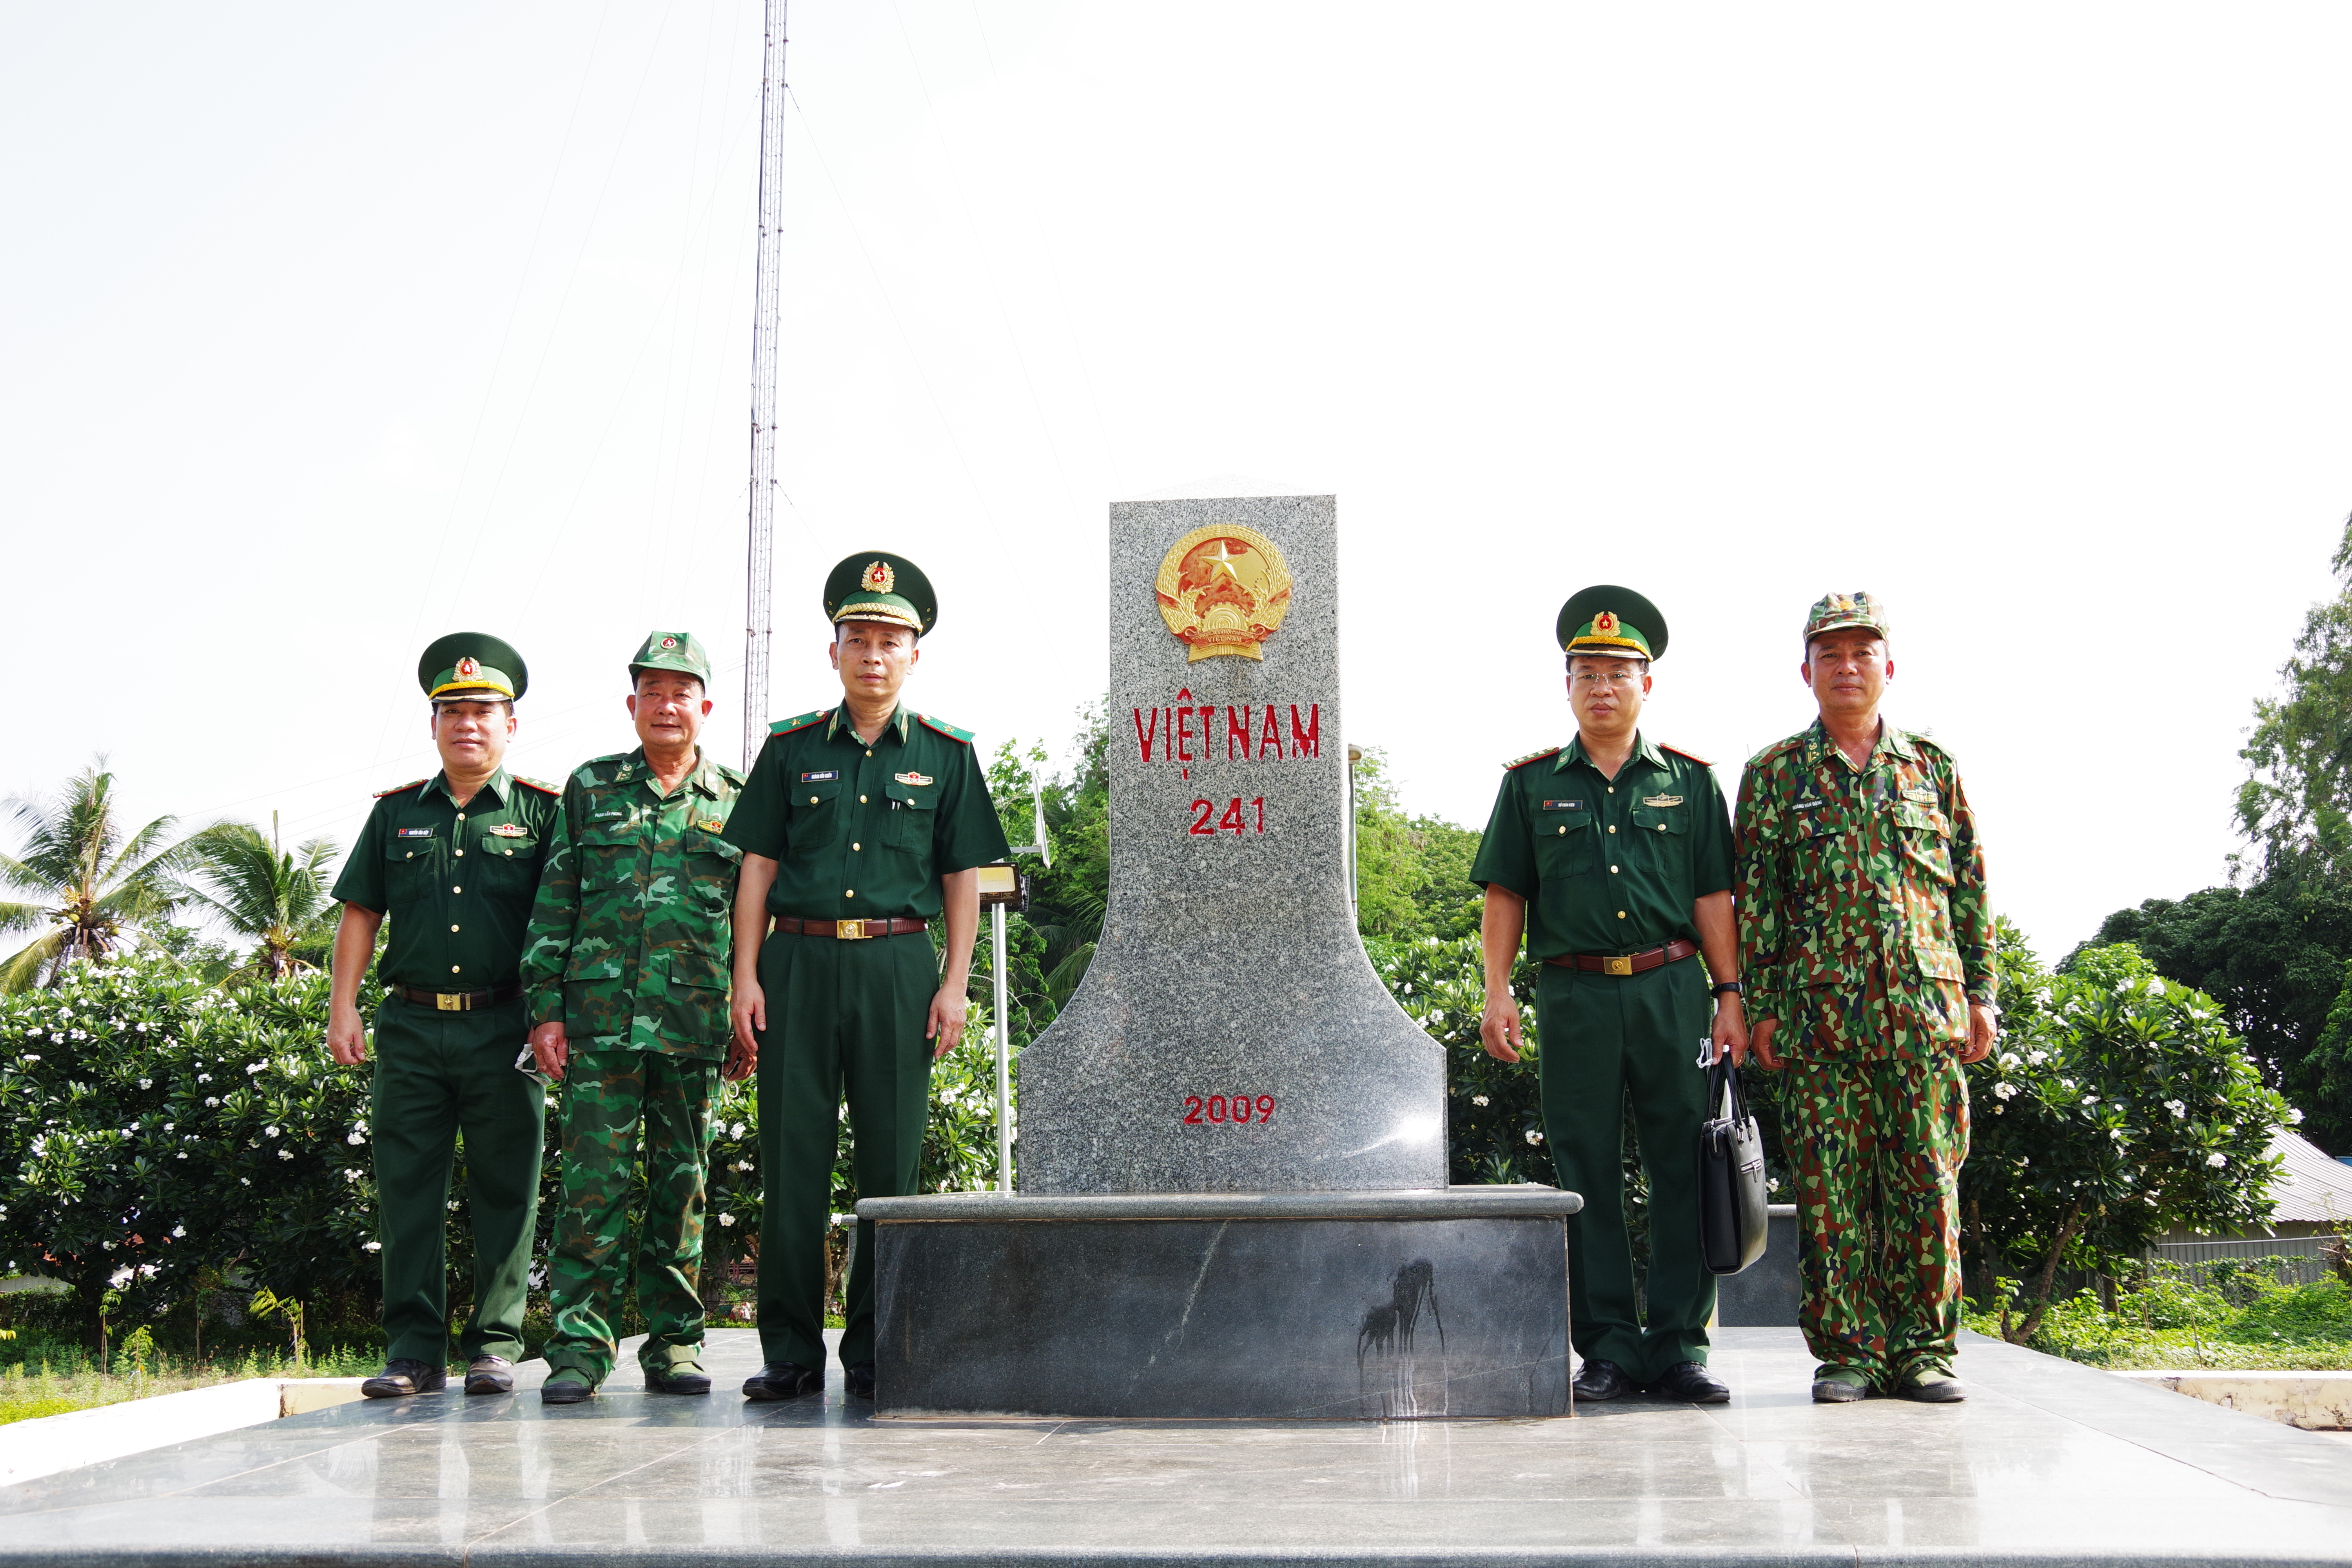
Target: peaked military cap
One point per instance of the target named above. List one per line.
(875, 585)
(675, 651)
(1840, 611)
(1605, 622)
(472, 667)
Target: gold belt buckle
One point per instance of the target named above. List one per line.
(849, 930)
(449, 1001)
(1612, 964)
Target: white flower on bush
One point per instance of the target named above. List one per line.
(211, 1099)
(286, 1153)
(743, 1164)
(204, 1077)
(350, 1175)
(2117, 1134)
(252, 1068)
(2180, 1109)
(150, 1270)
(736, 1131)
(2090, 1099)
(2006, 1090)
(2067, 1084)
(140, 1026)
(269, 1133)
(146, 1083)
(245, 1181)
(726, 1219)
(356, 1136)
(179, 1230)
(2294, 1117)
(121, 1276)
(32, 1058)
(2217, 1161)
(2036, 1058)
(2010, 1061)
(371, 1247)
(1534, 1137)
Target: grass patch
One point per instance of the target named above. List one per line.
(2233, 1317)
(52, 1377)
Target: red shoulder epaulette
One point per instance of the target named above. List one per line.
(1532, 757)
(786, 726)
(944, 728)
(534, 784)
(397, 788)
(1694, 756)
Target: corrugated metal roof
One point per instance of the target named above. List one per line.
(2310, 1187)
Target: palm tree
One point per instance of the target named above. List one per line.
(89, 883)
(278, 900)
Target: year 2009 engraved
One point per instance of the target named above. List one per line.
(1223, 1109)
(1240, 817)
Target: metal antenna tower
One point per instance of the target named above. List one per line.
(759, 565)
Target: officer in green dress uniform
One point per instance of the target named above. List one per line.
(453, 861)
(1612, 856)
(862, 824)
(626, 969)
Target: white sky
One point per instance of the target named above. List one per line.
(324, 330)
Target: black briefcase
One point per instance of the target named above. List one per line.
(1731, 1217)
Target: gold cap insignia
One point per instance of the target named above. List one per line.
(878, 578)
(1604, 624)
(668, 642)
(468, 667)
(1223, 590)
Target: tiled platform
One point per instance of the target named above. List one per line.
(2050, 1463)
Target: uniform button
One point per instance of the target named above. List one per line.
(509, 852)
(811, 800)
(456, 889)
(861, 800)
(1563, 830)
(461, 851)
(1620, 915)
(453, 969)
(452, 928)
(850, 894)
(461, 816)
(857, 846)
(1613, 789)
(1612, 827)
(410, 855)
(869, 751)
(1661, 828)
(1612, 871)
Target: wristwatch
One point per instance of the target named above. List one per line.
(1731, 985)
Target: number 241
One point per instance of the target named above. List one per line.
(1232, 821)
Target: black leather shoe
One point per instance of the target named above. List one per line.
(859, 1380)
(782, 1380)
(566, 1385)
(1602, 1380)
(1688, 1380)
(678, 1378)
(489, 1375)
(399, 1379)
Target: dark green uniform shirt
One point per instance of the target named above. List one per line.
(1607, 866)
(861, 832)
(457, 880)
(631, 942)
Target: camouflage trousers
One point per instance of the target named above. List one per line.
(1877, 1148)
(606, 1095)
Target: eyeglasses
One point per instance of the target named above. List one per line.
(1589, 678)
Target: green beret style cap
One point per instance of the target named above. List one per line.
(1608, 622)
(472, 667)
(675, 651)
(1838, 612)
(876, 586)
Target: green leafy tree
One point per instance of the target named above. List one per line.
(2296, 804)
(2276, 956)
(276, 900)
(91, 883)
(2117, 1107)
(1412, 873)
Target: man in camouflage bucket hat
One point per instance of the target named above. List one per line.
(626, 971)
(1867, 946)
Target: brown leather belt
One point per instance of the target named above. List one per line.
(1674, 952)
(851, 930)
(459, 1001)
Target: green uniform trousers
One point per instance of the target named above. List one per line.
(607, 1094)
(841, 1016)
(1610, 1041)
(1876, 1149)
(439, 1076)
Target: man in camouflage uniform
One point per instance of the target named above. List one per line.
(1868, 948)
(451, 861)
(627, 971)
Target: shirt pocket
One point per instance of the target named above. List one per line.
(411, 867)
(813, 814)
(913, 815)
(607, 858)
(1923, 835)
(1564, 842)
(507, 863)
(711, 864)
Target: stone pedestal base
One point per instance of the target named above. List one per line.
(1305, 1306)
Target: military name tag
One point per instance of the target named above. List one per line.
(1563, 805)
(1662, 800)
(1923, 796)
(913, 778)
(510, 830)
(416, 833)
(821, 778)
